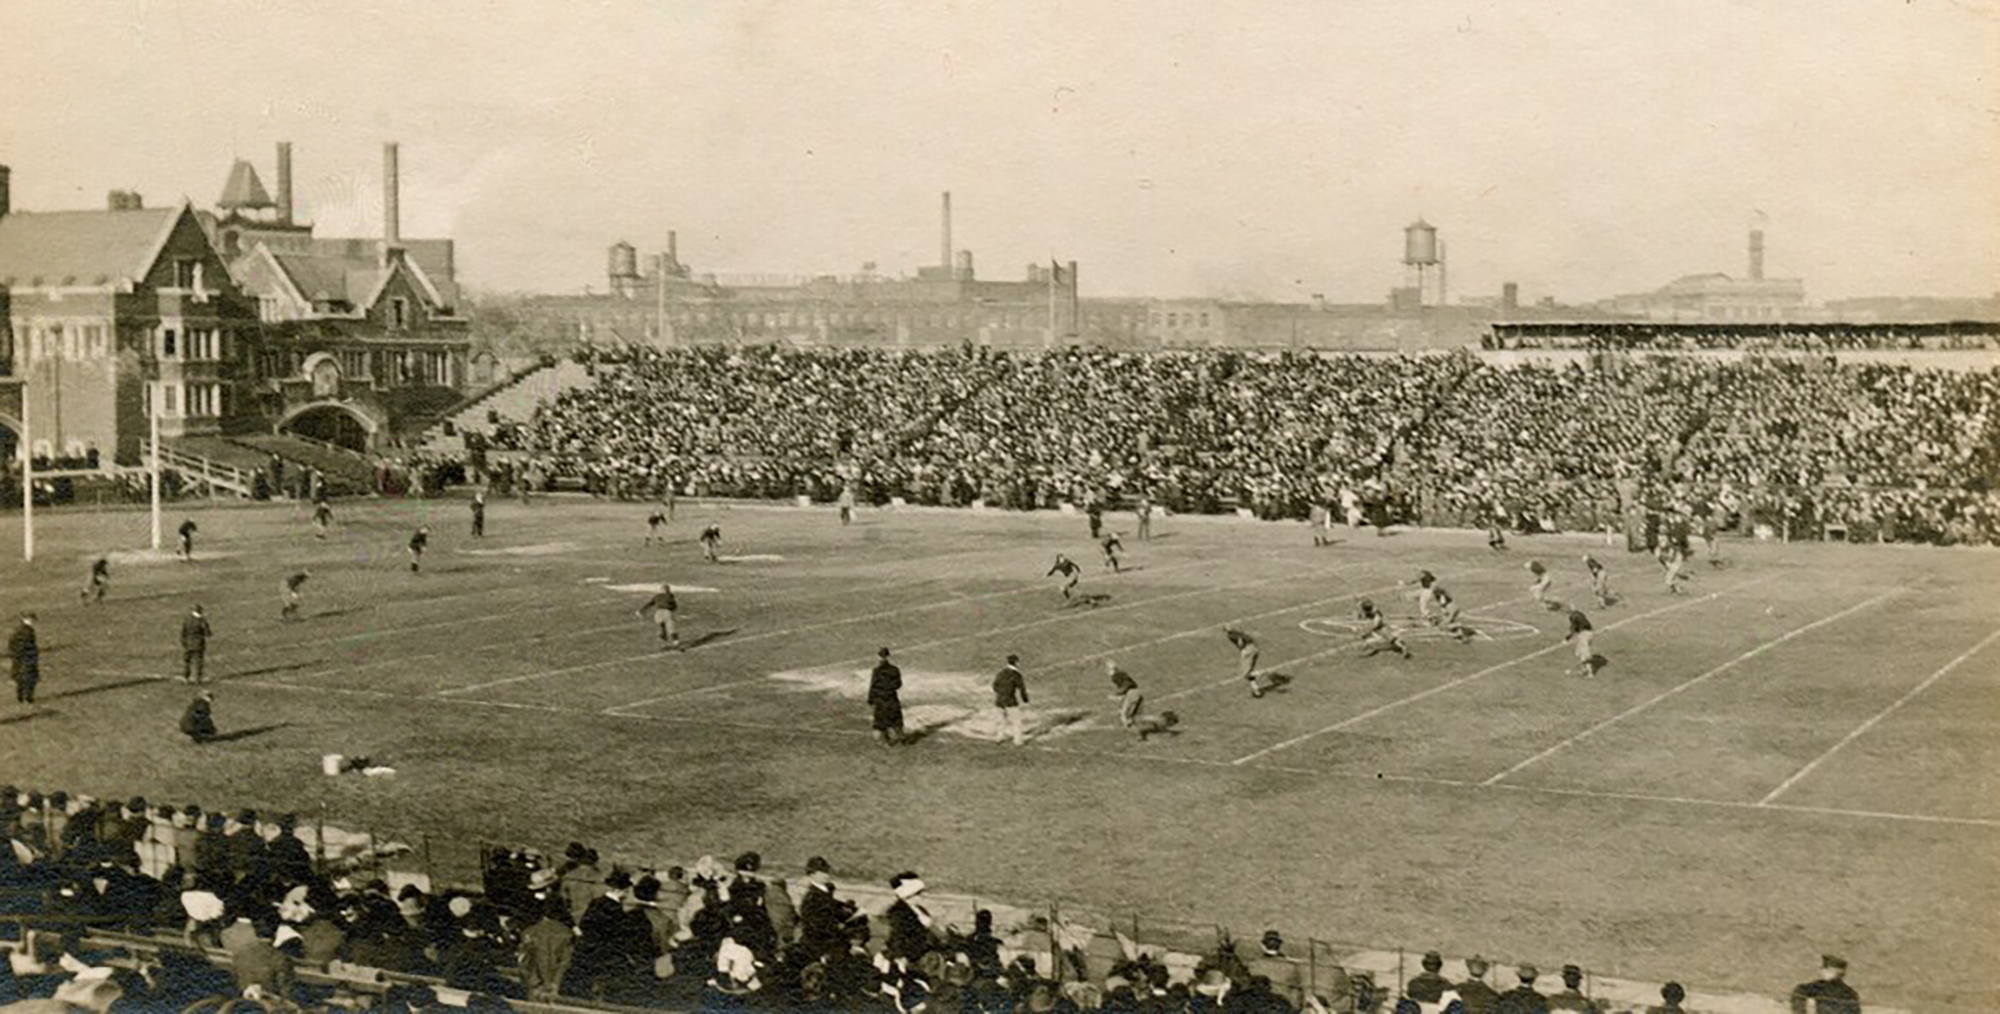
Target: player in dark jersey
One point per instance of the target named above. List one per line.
(1068, 570)
(322, 519)
(1495, 538)
(1600, 581)
(187, 530)
(288, 593)
(1449, 616)
(1376, 637)
(711, 537)
(1579, 637)
(1112, 547)
(418, 541)
(664, 607)
(100, 581)
(479, 515)
(1246, 658)
(653, 523)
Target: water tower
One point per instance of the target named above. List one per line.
(1423, 255)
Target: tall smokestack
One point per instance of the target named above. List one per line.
(944, 248)
(673, 248)
(285, 182)
(5, 194)
(392, 226)
(1756, 255)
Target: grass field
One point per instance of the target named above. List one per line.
(1797, 756)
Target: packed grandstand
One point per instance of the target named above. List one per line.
(1799, 446)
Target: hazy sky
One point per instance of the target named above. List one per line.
(1202, 148)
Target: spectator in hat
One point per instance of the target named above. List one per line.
(1286, 977)
(195, 633)
(1671, 996)
(1572, 998)
(26, 659)
(1474, 995)
(1523, 999)
(548, 943)
(824, 916)
(1010, 695)
(1830, 991)
(910, 925)
(1428, 986)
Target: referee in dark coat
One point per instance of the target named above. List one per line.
(26, 656)
(885, 686)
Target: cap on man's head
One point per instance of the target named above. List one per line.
(1528, 973)
(882, 652)
(1433, 961)
(1673, 993)
(1273, 940)
(749, 862)
(1572, 975)
(1829, 961)
(1011, 659)
(818, 864)
(1477, 965)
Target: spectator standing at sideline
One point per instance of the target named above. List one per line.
(1474, 995)
(195, 632)
(1010, 694)
(885, 685)
(25, 658)
(1572, 998)
(1428, 986)
(1523, 999)
(479, 515)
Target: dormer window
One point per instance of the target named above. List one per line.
(399, 313)
(187, 273)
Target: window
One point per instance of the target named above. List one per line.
(169, 399)
(170, 344)
(187, 272)
(399, 313)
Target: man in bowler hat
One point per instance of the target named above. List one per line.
(885, 687)
(1828, 994)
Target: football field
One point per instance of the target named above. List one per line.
(1796, 756)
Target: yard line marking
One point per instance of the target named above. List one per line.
(1703, 678)
(921, 645)
(1481, 674)
(1301, 660)
(1870, 724)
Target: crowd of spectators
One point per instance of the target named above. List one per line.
(1804, 337)
(1801, 445)
(238, 907)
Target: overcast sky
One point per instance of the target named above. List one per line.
(1202, 148)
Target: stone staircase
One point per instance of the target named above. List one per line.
(514, 400)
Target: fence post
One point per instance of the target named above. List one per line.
(430, 870)
(320, 841)
(1312, 967)
(1055, 949)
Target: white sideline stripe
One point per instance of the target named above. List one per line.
(1481, 674)
(862, 660)
(1863, 728)
(1301, 660)
(655, 653)
(1671, 691)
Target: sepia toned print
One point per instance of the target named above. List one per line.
(1445, 508)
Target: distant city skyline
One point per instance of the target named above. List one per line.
(1582, 151)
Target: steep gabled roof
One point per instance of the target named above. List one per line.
(82, 247)
(244, 189)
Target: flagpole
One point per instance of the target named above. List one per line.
(27, 479)
(154, 469)
(1054, 270)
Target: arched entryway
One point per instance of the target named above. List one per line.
(333, 423)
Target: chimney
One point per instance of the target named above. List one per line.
(285, 182)
(5, 206)
(944, 248)
(392, 227)
(1756, 255)
(1510, 296)
(673, 248)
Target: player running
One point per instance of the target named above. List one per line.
(1496, 539)
(1710, 527)
(1070, 571)
(288, 593)
(1427, 597)
(1246, 658)
(100, 582)
(1449, 616)
(187, 530)
(1579, 635)
(1376, 637)
(664, 606)
(479, 515)
(1674, 562)
(322, 519)
(1540, 588)
(653, 523)
(711, 537)
(1112, 547)
(420, 539)
(1601, 581)
(846, 505)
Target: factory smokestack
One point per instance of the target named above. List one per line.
(285, 182)
(944, 248)
(1756, 255)
(392, 226)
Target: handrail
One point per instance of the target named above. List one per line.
(213, 472)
